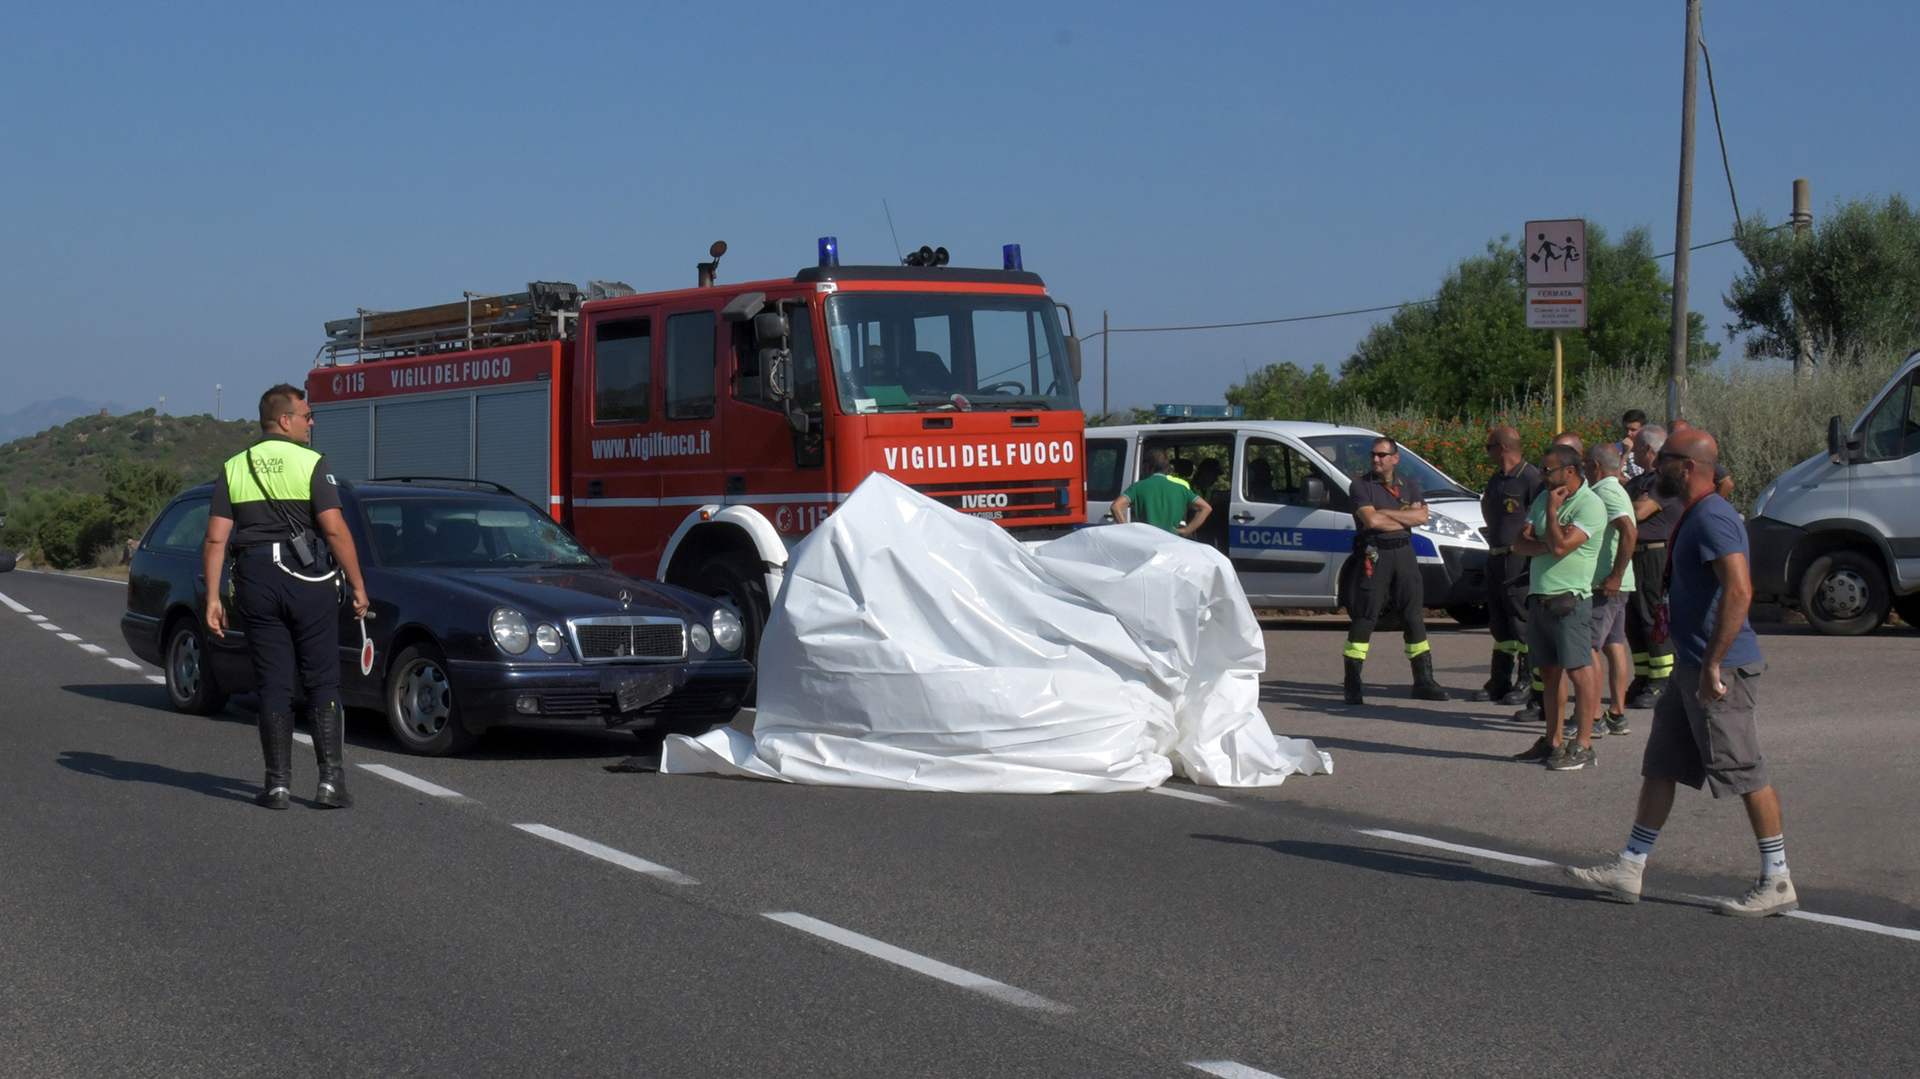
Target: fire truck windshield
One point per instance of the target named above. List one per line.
(909, 352)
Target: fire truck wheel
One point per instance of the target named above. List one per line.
(421, 710)
(735, 580)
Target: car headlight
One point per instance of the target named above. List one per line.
(1446, 526)
(548, 638)
(702, 640)
(728, 633)
(510, 630)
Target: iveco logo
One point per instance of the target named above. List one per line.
(626, 598)
(983, 502)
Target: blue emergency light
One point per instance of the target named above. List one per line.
(829, 251)
(1198, 412)
(1010, 257)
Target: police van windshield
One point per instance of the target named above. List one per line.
(907, 352)
(414, 532)
(1353, 455)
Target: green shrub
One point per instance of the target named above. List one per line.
(70, 535)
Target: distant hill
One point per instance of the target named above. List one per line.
(70, 455)
(41, 415)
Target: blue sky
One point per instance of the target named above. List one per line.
(189, 192)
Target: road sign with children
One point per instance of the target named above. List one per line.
(1556, 252)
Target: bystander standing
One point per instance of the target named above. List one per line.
(1613, 582)
(1562, 537)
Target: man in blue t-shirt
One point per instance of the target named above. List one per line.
(1704, 729)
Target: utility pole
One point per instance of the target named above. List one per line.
(1683, 225)
(1802, 228)
(1105, 371)
(216, 400)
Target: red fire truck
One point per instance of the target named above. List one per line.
(695, 435)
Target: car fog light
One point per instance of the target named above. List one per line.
(702, 640)
(510, 630)
(728, 633)
(526, 703)
(548, 638)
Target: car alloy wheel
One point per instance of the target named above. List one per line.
(421, 707)
(190, 685)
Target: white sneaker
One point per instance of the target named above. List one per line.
(1769, 895)
(1620, 878)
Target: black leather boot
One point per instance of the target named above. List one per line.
(1425, 687)
(276, 746)
(1500, 683)
(329, 738)
(1353, 680)
(1535, 710)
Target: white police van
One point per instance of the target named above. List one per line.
(1839, 533)
(1280, 508)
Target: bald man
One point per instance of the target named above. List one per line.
(1704, 727)
(1510, 493)
(1722, 480)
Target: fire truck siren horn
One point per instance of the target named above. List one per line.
(1010, 257)
(829, 251)
(927, 256)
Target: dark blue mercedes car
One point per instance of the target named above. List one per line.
(486, 613)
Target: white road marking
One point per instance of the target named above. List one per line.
(126, 663)
(605, 853)
(913, 961)
(1230, 1069)
(93, 649)
(1191, 796)
(406, 780)
(1457, 848)
(78, 576)
(301, 737)
(157, 679)
(1855, 923)
(48, 626)
(69, 636)
(18, 607)
(37, 618)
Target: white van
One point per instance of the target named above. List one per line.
(1281, 512)
(1838, 534)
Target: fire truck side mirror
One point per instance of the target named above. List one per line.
(743, 307)
(1073, 357)
(770, 328)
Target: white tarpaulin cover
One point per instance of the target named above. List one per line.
(914, 647)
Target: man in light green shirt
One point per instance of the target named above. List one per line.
(1613, 582)
(1562, 537)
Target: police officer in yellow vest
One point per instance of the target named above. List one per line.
(273, 504)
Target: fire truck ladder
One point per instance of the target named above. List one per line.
(544, 312)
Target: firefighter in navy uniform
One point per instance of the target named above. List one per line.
(1510, 492)
(272, 503)
(1385, 510)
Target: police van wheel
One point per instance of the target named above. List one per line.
(190, 685)
(421, 710)
(1845, 594)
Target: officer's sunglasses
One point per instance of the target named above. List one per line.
(1388, 453)
(307, 416)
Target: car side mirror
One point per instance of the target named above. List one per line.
(1313, 491)
(1835, 442)
(1073, 357)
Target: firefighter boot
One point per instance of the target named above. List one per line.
(328, 724)
(1353, 681)
(1425, 688)
(276, 745)
(1500, 683)
(1535, 710)
(1649, 696)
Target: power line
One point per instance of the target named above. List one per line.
(1258, 322)
(1717, 130)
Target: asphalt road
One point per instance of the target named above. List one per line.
(154, 922)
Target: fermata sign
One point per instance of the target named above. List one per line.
(1557, 307)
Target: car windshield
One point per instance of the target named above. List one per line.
(442, 531)
(1353, 455)
(909, 352)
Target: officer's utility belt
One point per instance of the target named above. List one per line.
(1652, 545)
(284, 560)
(1385, 543)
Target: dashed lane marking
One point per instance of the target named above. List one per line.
(604, 853)
(36, 618)
(18, 607)
(1191, 796)
(301, 737)
(157, 679)
(69, 636)
(49, 626)
(1230, 1069)
(406, 780)
(914, 961)
(92, 649)
(125, 664)
(1855, 923)
(1458, 848)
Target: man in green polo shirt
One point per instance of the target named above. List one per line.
(1613, 582)
(1562, 537)
(1162, 500)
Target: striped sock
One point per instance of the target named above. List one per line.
(1640, 843)
(1773, 855)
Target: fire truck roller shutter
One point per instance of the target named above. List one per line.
(424, 438)
(343, 433)
(513, 442)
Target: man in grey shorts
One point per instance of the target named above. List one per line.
(1704, 730)
(1562, 541)
(1613, 582)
